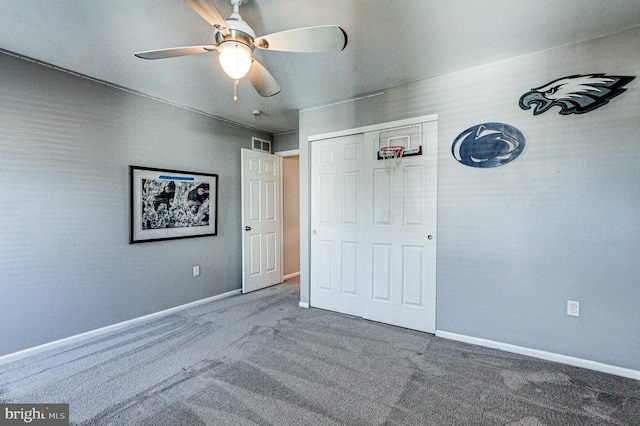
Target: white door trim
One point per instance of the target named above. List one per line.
(373, 127)
(289, 153)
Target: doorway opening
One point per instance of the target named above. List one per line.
(290, 177)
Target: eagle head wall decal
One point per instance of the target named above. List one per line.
(575, 94)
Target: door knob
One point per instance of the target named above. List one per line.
(247, 228)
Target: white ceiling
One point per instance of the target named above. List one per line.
(391, 42)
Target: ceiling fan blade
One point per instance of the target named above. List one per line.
(210, 13)
(262, 80)
(176, 51)
(329, 38)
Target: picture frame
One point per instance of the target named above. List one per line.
(171, 204)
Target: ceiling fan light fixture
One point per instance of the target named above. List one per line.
(235, 58)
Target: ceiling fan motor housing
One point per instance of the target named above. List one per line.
(235, 35)
(238, 31)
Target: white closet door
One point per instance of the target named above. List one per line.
(401, 271)
(373, 231)
(336, 224)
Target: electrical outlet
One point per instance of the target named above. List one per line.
(196, 271)
(573, 308)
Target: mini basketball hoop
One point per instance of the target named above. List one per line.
(391, 155)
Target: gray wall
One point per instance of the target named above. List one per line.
(65, 263)
(560, 222)
(285, 141)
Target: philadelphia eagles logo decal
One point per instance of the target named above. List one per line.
(575, 94)
(488, 145)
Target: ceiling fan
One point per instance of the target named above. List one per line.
(235, 42)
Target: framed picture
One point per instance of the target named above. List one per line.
(170, 204)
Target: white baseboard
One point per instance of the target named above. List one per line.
(288, 277)
(549, 356)
(304, 305)
(110, 328)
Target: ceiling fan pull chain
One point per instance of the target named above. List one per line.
(235, 85)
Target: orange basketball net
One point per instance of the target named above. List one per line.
(391, 155)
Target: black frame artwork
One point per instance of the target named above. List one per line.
(171, 204)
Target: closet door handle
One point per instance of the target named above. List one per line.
(247, 228)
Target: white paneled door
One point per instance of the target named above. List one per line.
(336, 224)
(261, 220)
(373, 242)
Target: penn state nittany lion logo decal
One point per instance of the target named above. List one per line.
(488, 145)
(575, 94)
